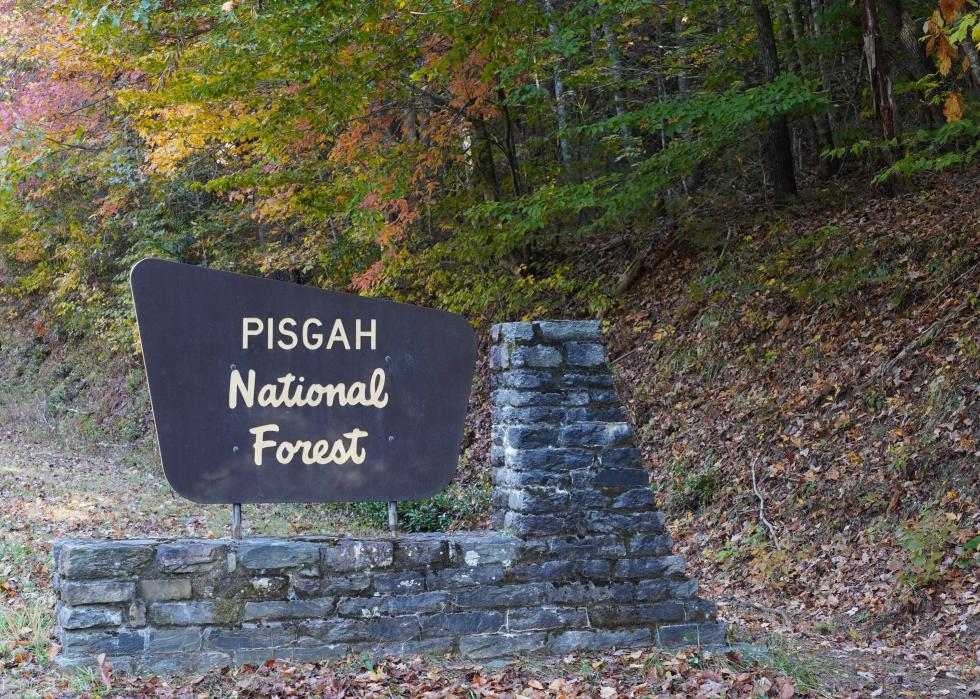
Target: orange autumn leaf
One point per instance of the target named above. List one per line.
(950, 8)
(953, 108)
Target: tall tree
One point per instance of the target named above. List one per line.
(779, 146)
(881, 84)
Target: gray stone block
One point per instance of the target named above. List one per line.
(484, 549)
(496, 645)
(508, 478)
(565, 330)
(595, 639)
(601, 379)
(572, 399)
(275, 554)
(529, 524)
(547, 571)
(546, 618)
(635, 499)
(700, 610)
(422, 603)
(363, 607)
(394, 628)
(90, 643)
(97, 592)
(225, 639)
(653, 590)
(586, 498)
(502, 595)
(586, 546)
(398, 583)
(404, 649)
(508, 414)
(136, 615)
(295, 609)
(652, 567)
(189, 556)
(350, 584)
(511, 332)
(541, 500)
(455, 578)
(611, 522)
(523, 399)
(83, 560)
(185, 639)
(88, 617)
(564, 460)
(165, 589)
(526, 379)
(534, 356)
(530, 436)
(622, 457)
(413, 553)
(613, 616)
(596, 568)
(595, 415)
(194, 613)
(170, 664)
(348, 556)
(603, 397)
(462, 623)
(311, 654)
(683, 589)
(607, 477)
(585, 354)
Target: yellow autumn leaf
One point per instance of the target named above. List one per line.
(953, 108)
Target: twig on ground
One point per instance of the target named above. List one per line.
(762, 508)
(626, 354)
(771, 610)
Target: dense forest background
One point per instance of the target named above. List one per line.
(453, 154)
(771, 204)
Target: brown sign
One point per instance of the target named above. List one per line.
(265, 391)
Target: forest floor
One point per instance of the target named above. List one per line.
(804, 384)
(52, 492)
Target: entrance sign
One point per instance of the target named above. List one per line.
(265, 391)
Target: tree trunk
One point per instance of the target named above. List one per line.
(881, 84)
(918, 64)
(561, 110)
(779, 147)
(971, 54)
(617, 74)
(483, 165)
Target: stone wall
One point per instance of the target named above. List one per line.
(580, 559)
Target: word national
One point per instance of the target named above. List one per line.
(290, 391)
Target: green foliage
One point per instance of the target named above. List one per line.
(457, 507)
(926, 544)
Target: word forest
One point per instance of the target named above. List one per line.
(290, 391)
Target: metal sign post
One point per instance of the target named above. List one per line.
(236, 521)
(392, 517)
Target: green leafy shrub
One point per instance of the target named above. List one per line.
(457, 507)
(926, 544)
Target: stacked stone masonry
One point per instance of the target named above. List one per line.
(579, 559)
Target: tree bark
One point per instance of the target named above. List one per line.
(971, 55)
(617, 74)
(779, 147)
(881, 84)
(561, 110)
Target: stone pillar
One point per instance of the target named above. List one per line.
(563, 457)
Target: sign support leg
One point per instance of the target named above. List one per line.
(392, 517)
(236, 521)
